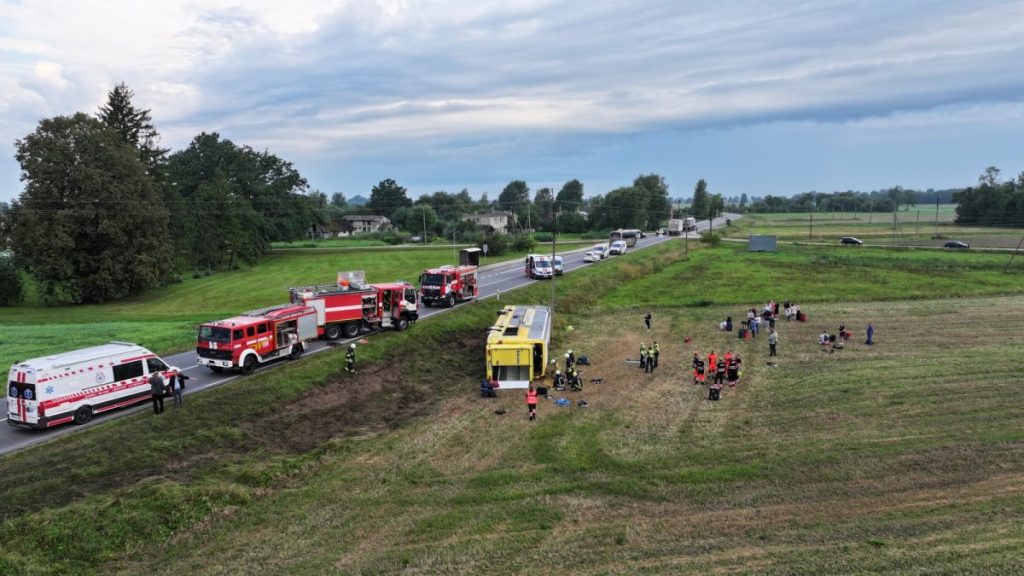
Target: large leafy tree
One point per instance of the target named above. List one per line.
(625, 207)
(90, 225)
(135, 126)
(657, 197)
(701, 206)
(516, 198)
(230, 202)
(387, 197)
(543, 204)
(570, 197)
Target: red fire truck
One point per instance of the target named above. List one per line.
(351, 306)
(245, 341)
(448, 284)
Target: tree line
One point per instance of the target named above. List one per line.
(992, 202)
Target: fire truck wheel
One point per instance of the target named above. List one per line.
(83, 415)
(249, 365)
(351, 330)
(333, 332)
(402, 324)
(451, 300)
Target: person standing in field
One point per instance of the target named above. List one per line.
(156, 390)
(647, 321)
(773, 340)
(871, 334)
(178, 387)
(643, 357)
(733, 368)
(698, 369)
(720, 372)
(712, 361)
(656, 353)
(531, 402)
(350, 359)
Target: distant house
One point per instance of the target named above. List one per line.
(499, 222)
(358, 224)
(319, 232)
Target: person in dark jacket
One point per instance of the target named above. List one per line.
(177, 385)
(698, 369)
(350, 359)
(156, 390)
(720, 371)
(647, 321)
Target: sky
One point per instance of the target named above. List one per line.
(756, 97)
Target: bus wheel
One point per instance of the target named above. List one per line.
(296, 352)
(333, 332)
(249, 365)
(216, 368)
(351, 330)
(402, 324)
(83, 415)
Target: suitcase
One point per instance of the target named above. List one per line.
(542, 390)
(714, 393)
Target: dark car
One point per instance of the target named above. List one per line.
(957, 245)
(850, 240)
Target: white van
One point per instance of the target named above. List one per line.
(601, 249)
(538, 266)
(617, 248)
(73, 386)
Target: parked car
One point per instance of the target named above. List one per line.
(591, 256)
(618, 247)
(601, 250)
(850, 241)
(957, 245)
(557, 264)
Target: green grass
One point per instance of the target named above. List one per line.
(905, 457)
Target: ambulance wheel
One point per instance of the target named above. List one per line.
(333, 332)
(402, 324)
(217, 369)
(249, 365)
(451, 300)
(351, 330)
(83, 415)
(296, 352)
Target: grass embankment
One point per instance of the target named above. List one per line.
(905, 457)
(916, 227)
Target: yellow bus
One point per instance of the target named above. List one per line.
(517, 346)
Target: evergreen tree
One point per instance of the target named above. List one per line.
(701, 206)
(135, 127)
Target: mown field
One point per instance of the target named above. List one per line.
(920, 226)
(904, 457)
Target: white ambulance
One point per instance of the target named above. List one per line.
(73, 386)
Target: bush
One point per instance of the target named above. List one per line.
(497, 244)
(11, 288)
(543, 236)
(523, 244)
(393, 238)
(596, 235)
(711, 238)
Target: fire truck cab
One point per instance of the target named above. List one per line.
(256, 337)
(448, 284)
(352, 306)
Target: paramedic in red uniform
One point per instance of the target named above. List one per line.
(531, 402)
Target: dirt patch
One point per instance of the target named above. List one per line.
(378, 398)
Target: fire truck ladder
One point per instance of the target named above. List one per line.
(265, 311)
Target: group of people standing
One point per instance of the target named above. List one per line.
(724, 368)
(649, 357)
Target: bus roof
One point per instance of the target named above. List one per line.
(90, 354)
(521, 323)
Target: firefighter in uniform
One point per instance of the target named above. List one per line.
(643, 356)
(350, 359)
(720, 372)
(569, 362)
(733, 368)
(657, 351)
(559, 380)
(698, 369)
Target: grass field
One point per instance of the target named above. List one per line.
(904, 457)
(919, 226)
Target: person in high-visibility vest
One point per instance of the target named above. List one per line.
(643, 357)
(657, 351)
(698, 368)
(531, 402)
(650, 359)
(350, 359)
(712, 361)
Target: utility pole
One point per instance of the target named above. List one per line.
(894, 229)
(810, 229)
(554, 235)
(936, 213)
(424, 223)
(917, 224)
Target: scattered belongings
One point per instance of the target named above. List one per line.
(583, 360)
(501, 411)
(714, 393)
(632, 362)
(583, 403)
(563, 402)
(597, 380)
(772, 364)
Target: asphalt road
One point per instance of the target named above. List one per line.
(503, 277)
